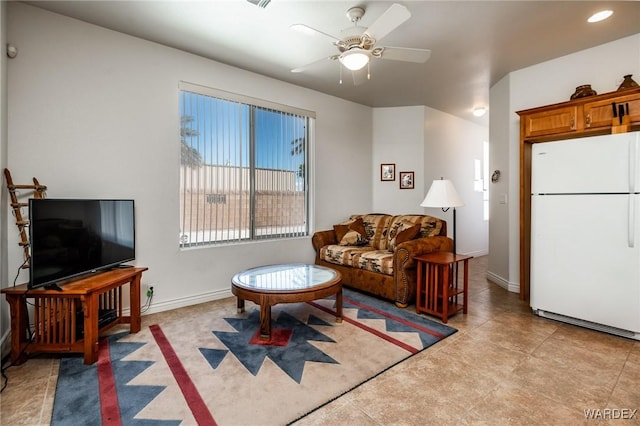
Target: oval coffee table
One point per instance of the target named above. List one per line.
(287, 283)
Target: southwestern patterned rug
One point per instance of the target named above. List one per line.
(203, 364)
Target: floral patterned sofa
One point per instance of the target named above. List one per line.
(374, 252)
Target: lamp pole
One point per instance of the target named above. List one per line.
(454, 231)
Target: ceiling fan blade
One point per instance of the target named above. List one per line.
(305, 29)
(388, 21)
(406, 54)
(314, 63)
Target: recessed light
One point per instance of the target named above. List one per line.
(479, 111)
(600, 16)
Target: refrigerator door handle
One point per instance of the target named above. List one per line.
(631, 237)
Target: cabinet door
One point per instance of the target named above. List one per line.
(600, 113)
(551, 122)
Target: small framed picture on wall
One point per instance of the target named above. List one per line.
(406, 180)
(387, 171)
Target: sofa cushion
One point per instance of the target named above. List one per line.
(376, 226)
(355, 235)
(343, 255)
(380, 261)
(401, 232)
(429, 227)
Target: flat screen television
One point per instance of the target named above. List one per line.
(73, 237)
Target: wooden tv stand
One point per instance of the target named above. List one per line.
(72, 318)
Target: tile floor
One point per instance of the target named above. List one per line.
(504, 366)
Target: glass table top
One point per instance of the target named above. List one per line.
(291, 276)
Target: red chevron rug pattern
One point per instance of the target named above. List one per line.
(204, 364)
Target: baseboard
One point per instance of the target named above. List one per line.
(509, 286)
(182, 302)
(478, 253)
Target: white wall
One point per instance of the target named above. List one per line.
(451, 146)
(433, 144)
(94, 113)
(398, 138)
(4, 307)
(546, 83)
(499, 200)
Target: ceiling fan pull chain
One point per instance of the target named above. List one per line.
(369, 70)
(340, 65)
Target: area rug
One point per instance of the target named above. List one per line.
(204, 365)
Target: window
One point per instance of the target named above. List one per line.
(243, 168)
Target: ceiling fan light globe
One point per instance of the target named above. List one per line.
(354, 60)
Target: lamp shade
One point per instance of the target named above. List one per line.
(354, 59)
(442, 194)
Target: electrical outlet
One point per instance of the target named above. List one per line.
(150, 291)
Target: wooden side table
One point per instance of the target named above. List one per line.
(438, 285)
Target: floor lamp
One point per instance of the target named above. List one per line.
(443, 194)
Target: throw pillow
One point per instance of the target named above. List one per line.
(341, 229)
(404, 231)
(356, 235)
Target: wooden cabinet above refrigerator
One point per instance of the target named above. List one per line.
(580, 117)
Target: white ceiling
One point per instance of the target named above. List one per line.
(474, 43)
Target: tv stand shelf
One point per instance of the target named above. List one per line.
(72, 318)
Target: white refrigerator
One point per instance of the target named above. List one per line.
(585, 232)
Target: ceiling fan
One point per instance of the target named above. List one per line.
(359, 44)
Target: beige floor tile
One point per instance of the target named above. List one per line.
(523, 339)
(576, 388)
(522, 405)
(626, 393)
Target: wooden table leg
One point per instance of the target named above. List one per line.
(134, 301)
(18, 310)
(339, 306)
(465, 299)
(419, 289)
(90, 308)
(240, 305)
(446, 276)
(265, 321)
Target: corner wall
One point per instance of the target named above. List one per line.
(500, 201)
(5, 318)
(451, 146)
(433, 144)
(398, 138)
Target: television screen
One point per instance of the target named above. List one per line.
(72, 237)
